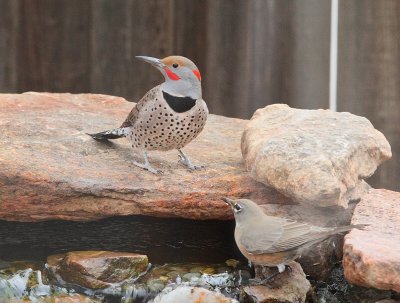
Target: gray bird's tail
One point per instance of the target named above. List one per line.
(342, 229)
(115, 133)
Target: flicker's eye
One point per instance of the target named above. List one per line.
(175, 65)
(237, 208)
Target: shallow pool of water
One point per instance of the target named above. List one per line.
(163, 240)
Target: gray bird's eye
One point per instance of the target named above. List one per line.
(175, 65)
(237, 208)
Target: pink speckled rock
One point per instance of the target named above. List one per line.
(371, 257)
(51, 169)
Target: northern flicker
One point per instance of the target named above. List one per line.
(169, 115)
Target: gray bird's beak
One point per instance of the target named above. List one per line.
(228, 201)
(153, 61)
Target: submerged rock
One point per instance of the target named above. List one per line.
(97, 269)
(51, 169)
(315, 157)
(372, 256)
(226, 280)
(287, 287)
(189, 294)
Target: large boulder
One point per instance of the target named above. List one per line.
(315, 157)
(371, 257)
(96, 269)
(51, 169)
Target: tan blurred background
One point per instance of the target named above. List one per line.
(250, 53)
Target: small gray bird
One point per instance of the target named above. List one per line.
(274, 241)
(169, 116)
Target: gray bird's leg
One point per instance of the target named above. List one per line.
(185, 161)
(281, 267)
(267, 280)
(146, 165)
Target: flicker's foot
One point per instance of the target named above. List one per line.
(183, 159)
(148, 167)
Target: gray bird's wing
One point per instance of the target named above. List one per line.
(273, 235)
(134, 114)
(260, 235)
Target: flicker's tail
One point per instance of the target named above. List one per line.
(115, 133)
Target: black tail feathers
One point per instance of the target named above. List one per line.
(109, 134)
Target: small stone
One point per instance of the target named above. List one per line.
(179, 269)
(164, 279)
(232, 263)
(371, 257)
(315, 157)
(189, 277)
(155, 285)
(160, 270)
(208, 271)
(197, 269)
(287, 287)
(191, 295)
(173, 274)
(223, 269)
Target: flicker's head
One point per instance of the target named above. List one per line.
(182, 77)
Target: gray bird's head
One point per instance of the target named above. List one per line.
(182, 77)
(244, 209)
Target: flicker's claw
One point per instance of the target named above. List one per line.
(148, 167)
(183, 159)
(188, 164)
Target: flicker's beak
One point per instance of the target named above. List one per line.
(228, 201)
(153, 61)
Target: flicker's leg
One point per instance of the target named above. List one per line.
(146, 165)
(185, 161)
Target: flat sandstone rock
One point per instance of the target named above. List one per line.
(371, 257)
(50, 168)
(315, 157)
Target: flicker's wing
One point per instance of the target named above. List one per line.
(135, 112)
(289, 235)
